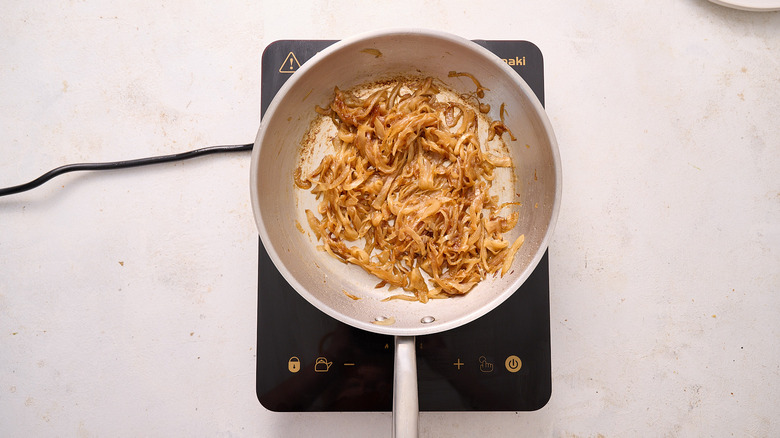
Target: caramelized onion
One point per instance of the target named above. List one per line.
(409, 181)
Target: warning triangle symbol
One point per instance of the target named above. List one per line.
(290, 64)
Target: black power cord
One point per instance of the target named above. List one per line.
(123, 165)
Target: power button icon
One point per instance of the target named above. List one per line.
(513, 364)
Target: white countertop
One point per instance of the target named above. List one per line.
(128, 298)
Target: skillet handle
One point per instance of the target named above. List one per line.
(405, 406)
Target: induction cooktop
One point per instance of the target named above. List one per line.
(310, 362)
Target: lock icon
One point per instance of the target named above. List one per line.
(294, 364)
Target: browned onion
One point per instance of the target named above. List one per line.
(405, 191)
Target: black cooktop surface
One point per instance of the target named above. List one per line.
(308, 361)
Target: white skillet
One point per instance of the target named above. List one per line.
(321, 279)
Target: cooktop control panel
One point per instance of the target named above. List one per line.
(308, 361)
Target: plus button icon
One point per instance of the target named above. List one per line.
(458, 364)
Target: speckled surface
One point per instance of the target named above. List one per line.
(127, 298)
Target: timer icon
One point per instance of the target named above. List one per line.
(513, 364)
